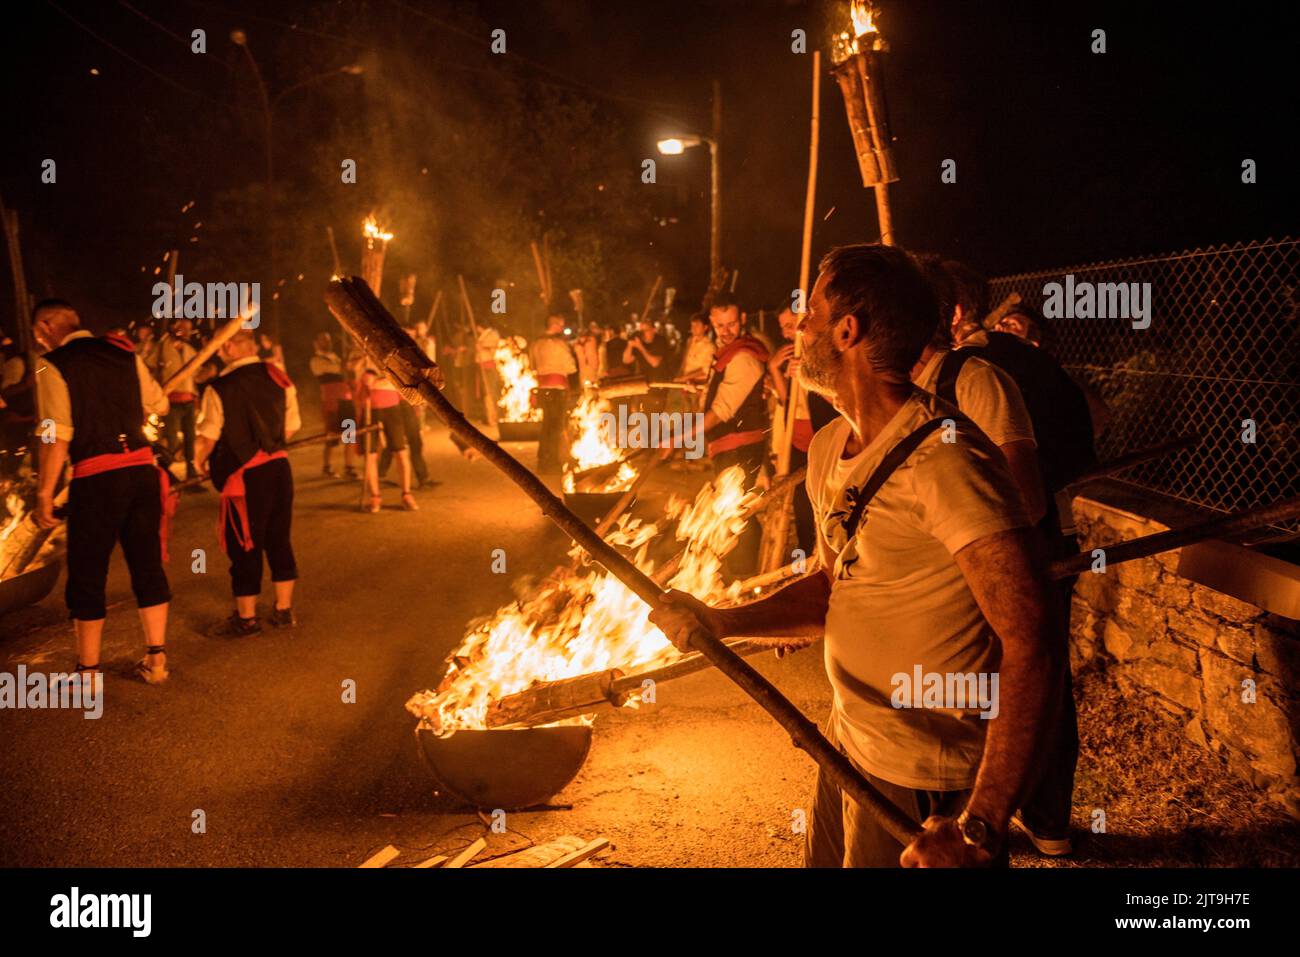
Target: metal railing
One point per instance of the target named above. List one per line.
(1222, 352)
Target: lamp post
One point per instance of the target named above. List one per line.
(240, 39)
(675, 146)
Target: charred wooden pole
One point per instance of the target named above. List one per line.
(584, 694)
(1223, 526)
(1137, 457)
(363, 315)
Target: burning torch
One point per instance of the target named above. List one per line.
(372, 256)
(856, 55)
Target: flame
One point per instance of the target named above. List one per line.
(575, 624)
(151, 427)
(371, 230)
(516, 371)
(594, 445)
(16, 511)
(862, 17)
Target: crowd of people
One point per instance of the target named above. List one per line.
(933, 440)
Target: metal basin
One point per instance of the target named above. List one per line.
(519, 431)
(506, 769)
(29, 587)
(591, 506)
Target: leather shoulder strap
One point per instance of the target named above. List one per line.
(949, 369)
(888, 465)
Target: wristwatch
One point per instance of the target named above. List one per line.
(977, 832)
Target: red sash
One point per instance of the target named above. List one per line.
(180, 396)
(233, 497)
(98, 464)
(553, 380)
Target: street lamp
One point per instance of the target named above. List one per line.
(240, 39)
(675, 146)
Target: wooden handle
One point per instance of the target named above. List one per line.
(209, 349)
(363, 315)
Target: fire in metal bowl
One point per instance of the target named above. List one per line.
(508, 769)
(591, 506)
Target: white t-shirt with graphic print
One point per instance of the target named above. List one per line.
(902, 601)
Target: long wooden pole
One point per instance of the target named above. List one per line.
(357, 309)
(489, 401)
(805, 260)
(24, 335)
(219, 338)
(654, 288)
(1223, 526)
(334, 251)
(778, 529)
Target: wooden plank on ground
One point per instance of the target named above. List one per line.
(465, 856)
(538, 855)
(433, 861)
(382, 858)
(576, 857)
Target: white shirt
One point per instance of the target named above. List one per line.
(987, 396)
(552, 356)
(173, 353)
(485, 347)
(56, 403)
(899, 599)
(699, 355)
(212, 416)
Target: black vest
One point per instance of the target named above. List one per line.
(751, 416)
(104, 389)
(252, 408)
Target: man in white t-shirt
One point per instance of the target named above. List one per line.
(936, 614)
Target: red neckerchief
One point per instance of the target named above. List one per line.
(738, 345)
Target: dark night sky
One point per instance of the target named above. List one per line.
(1062, 156)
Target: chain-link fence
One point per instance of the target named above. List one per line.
(1222, 352)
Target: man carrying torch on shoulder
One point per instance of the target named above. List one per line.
(248, 413)
(930, 577)
(97, 392)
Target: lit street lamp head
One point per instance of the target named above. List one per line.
(239, 37)
(676, 145)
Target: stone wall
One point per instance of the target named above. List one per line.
(1192, 653)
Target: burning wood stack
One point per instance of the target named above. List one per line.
(577, 623)
(597, 464)
(24, 545)
(517, 380)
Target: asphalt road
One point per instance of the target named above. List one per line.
(255, 732)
